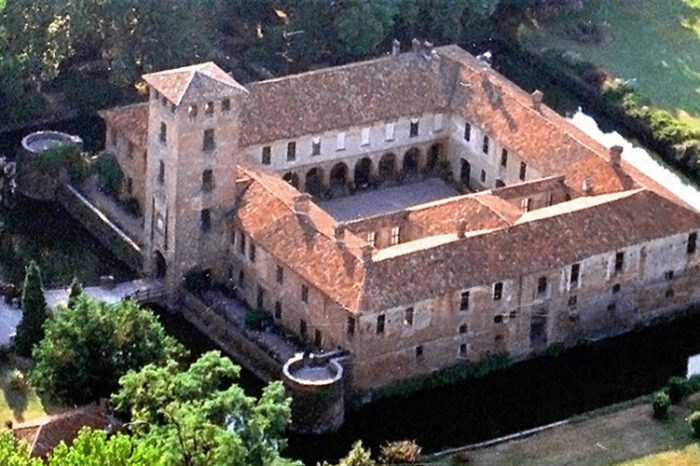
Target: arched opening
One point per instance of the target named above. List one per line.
(465, 173)
(339, 175)
(500, 184)
(362, 173)
(434, 157)
(291, 178)
(410, 162)
(387, 167)
(161, 266)
(314, 181)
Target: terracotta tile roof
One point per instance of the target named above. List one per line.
(547, 238)
(304, 242)
(514, 191)
(341, 97)
(44, 434)
(194, 83)
(131, 121)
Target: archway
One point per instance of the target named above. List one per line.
(314, 181)
(500, 184)
(339, 175)
(465, 172)
(362, 173)
(410, 162)
(434, 157)
(291, 178)
(161, 266)
(387, 167)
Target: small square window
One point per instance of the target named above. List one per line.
(483, 176)
(525, 204)
(572, 300)
(573, 277)
(414, 129)
(205, 220)
(226, 105)
(513, 314)
(207, 180)
(351, 326)
(611, 307)
(266, 155)
(669, 293)
(692, 243)
(419, 351)
(278, 310)
(395, 235)
(316, 147)
(304, 294)
(464, 301)
(541, 286)
(291, 151)
(669, 275)
(408, 317)
(523, 171)
(467, 132)
(498, 319)
(463, 349)
(463, 328)
(371, 238)
(208, 143)
(279, 275)
(209, 108)
(381, 320)
(497, 291)
(163, 132)
(616, 288)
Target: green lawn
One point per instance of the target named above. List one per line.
(17, 405)
(655, 43)
(687, 456)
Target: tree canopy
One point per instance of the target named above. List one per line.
(30, 330)
(89, 346)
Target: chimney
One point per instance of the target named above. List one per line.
(587, 186)
(395, 48)
(415, 45)
(537, 97)
(615, 156)
(301, 203)
(339, 232)
(461, 228)
(428, 46)
(366, 253)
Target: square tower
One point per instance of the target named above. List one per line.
(193, 147)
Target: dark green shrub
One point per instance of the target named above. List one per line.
(109, 173)
(400, 452)
(660, 404)
(65, 156)
(255, 319)
(30, 330)
(197, 281)
(694, 421)
(677, 388)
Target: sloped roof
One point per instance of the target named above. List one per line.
(131, 121)
(194, 83)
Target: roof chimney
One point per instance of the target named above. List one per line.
(587, 186)
(366, 253)
(461, 228)
(339, 232)
(537, 97)
(615, 155)
(301, 203)
(415, 45)
(395, 47)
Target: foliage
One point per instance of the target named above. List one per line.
(89, 347)
(65, 156)
(363, 25)
(400, 452)
(660, 404)
(197, 280)
(109, 172)
(200, 416)
(76, 290)
(30, 331)
(14, 93)
(14, 452)
(94, 448)
(255, 319)
(358, 456)
(677, 388)
(694, 421)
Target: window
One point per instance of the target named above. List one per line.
(241, 246)
(395, 235)
(389, 131)
(351, 326)
(525, 204)
(205, 220)
(573, 277)
(497, 291)
(463, 328)
(463, 349)
(541, 286)
(504, 158)
(266, 155)
(304, 294)
(241, 279)
(251, 252)
(616, 288)
(408, 317)
(669, 275)
(302, 328)
(207, 180)
(437, 123)
(371, 238)
(381, 319)
(513, 314)
(161, 172)
(483, 176)
(291, 151)
(316, 146)
(619, 261)
(572, 300)
(226, 105)
(318, 338)
(467, 132)
(611, 307)
(209, 109)
(419, 351)
(365, 136)
(464, 301)
(523, 171)
(278, 310)
(192, 112)
(340, 141)
(414, 129)
(208, 140)
(485, 145)
(163, 132)
(279, 275)
(498, 319)
(692, 243)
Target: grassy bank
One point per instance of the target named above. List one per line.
(18, 402)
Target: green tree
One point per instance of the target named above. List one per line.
(357, 456)
(76, 290)
(362, 25)
(93, 448)
(87, 349)
(14, 452)
(30, 330)
(109, 172)
(201, 417)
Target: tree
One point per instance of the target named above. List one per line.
(30, 331)
(357, 456)
(201, 417)
(14, 452)
(363, 25)
(93, 448)
(76, 290)
(87, 349)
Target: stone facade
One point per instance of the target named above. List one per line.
(553, 239)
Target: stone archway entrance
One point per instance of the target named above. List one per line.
(339, 175)
(434, 158)
(465, 173)
(314, 181)
(387, 167)
(291, 178)
(410, 163)
(363, 173)
(161, 267)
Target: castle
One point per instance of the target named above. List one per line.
(418, 210)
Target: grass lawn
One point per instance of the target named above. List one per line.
(655, 43)
(17, 405)
(603, 439)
